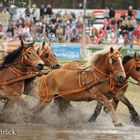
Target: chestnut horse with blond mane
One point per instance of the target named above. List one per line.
(81, 85)
(131, 66)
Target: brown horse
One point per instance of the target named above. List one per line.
(132, 68)
(18, 65)
(82, 85)
(47, 55)
(50, 60)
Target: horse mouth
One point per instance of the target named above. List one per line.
(55, 66)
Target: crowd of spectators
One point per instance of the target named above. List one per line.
(67, 27)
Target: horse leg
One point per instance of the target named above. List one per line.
(105, 102)
(114, 103)
(133, 112)
(30, 113)
(63, 105)
(96, 113)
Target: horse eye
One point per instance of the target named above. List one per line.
(29, 53)
(47, 55)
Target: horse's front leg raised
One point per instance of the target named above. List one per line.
(133, 112)
(105, 102)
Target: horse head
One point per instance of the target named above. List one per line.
(30, 57)
(48, 57)
(108, 62)
(132, 66)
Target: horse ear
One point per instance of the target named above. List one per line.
(22, 44)
(111, 50)
(38, 50)
(43, 44)
(33, 44)
(119, 49)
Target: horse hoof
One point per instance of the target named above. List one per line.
(137, 123)
(118, 124)
(91, 120)
(106, 110)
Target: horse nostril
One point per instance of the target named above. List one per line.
(57, 66)
(120, 78)
(40, 66)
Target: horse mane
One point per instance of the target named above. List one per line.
(11, 57)
(126, 58)
(96, 56)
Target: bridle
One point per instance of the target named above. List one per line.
(28, 72)
(50, 60)
(110, 60)
(111, 76)
(131, 66)
(25, 56)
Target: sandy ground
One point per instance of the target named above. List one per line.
(73, 125)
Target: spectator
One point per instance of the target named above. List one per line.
(111, 13)
(5, 3)
(10, 31)
(3, 44)
(1, 6)
(130, 11)
(42, 11)
(49, 10)
(106, 26)
(12, 11)
(106, 13)
(5, 17)
(27, 12)
(34, 13)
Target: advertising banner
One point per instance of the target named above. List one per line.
(67, 52)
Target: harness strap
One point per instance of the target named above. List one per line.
(44, 96)
(20, 76)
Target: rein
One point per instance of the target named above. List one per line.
(21, 75)
(134, 65)
(106, 78)
(51, 59)
(44, 95)
(24, 56)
